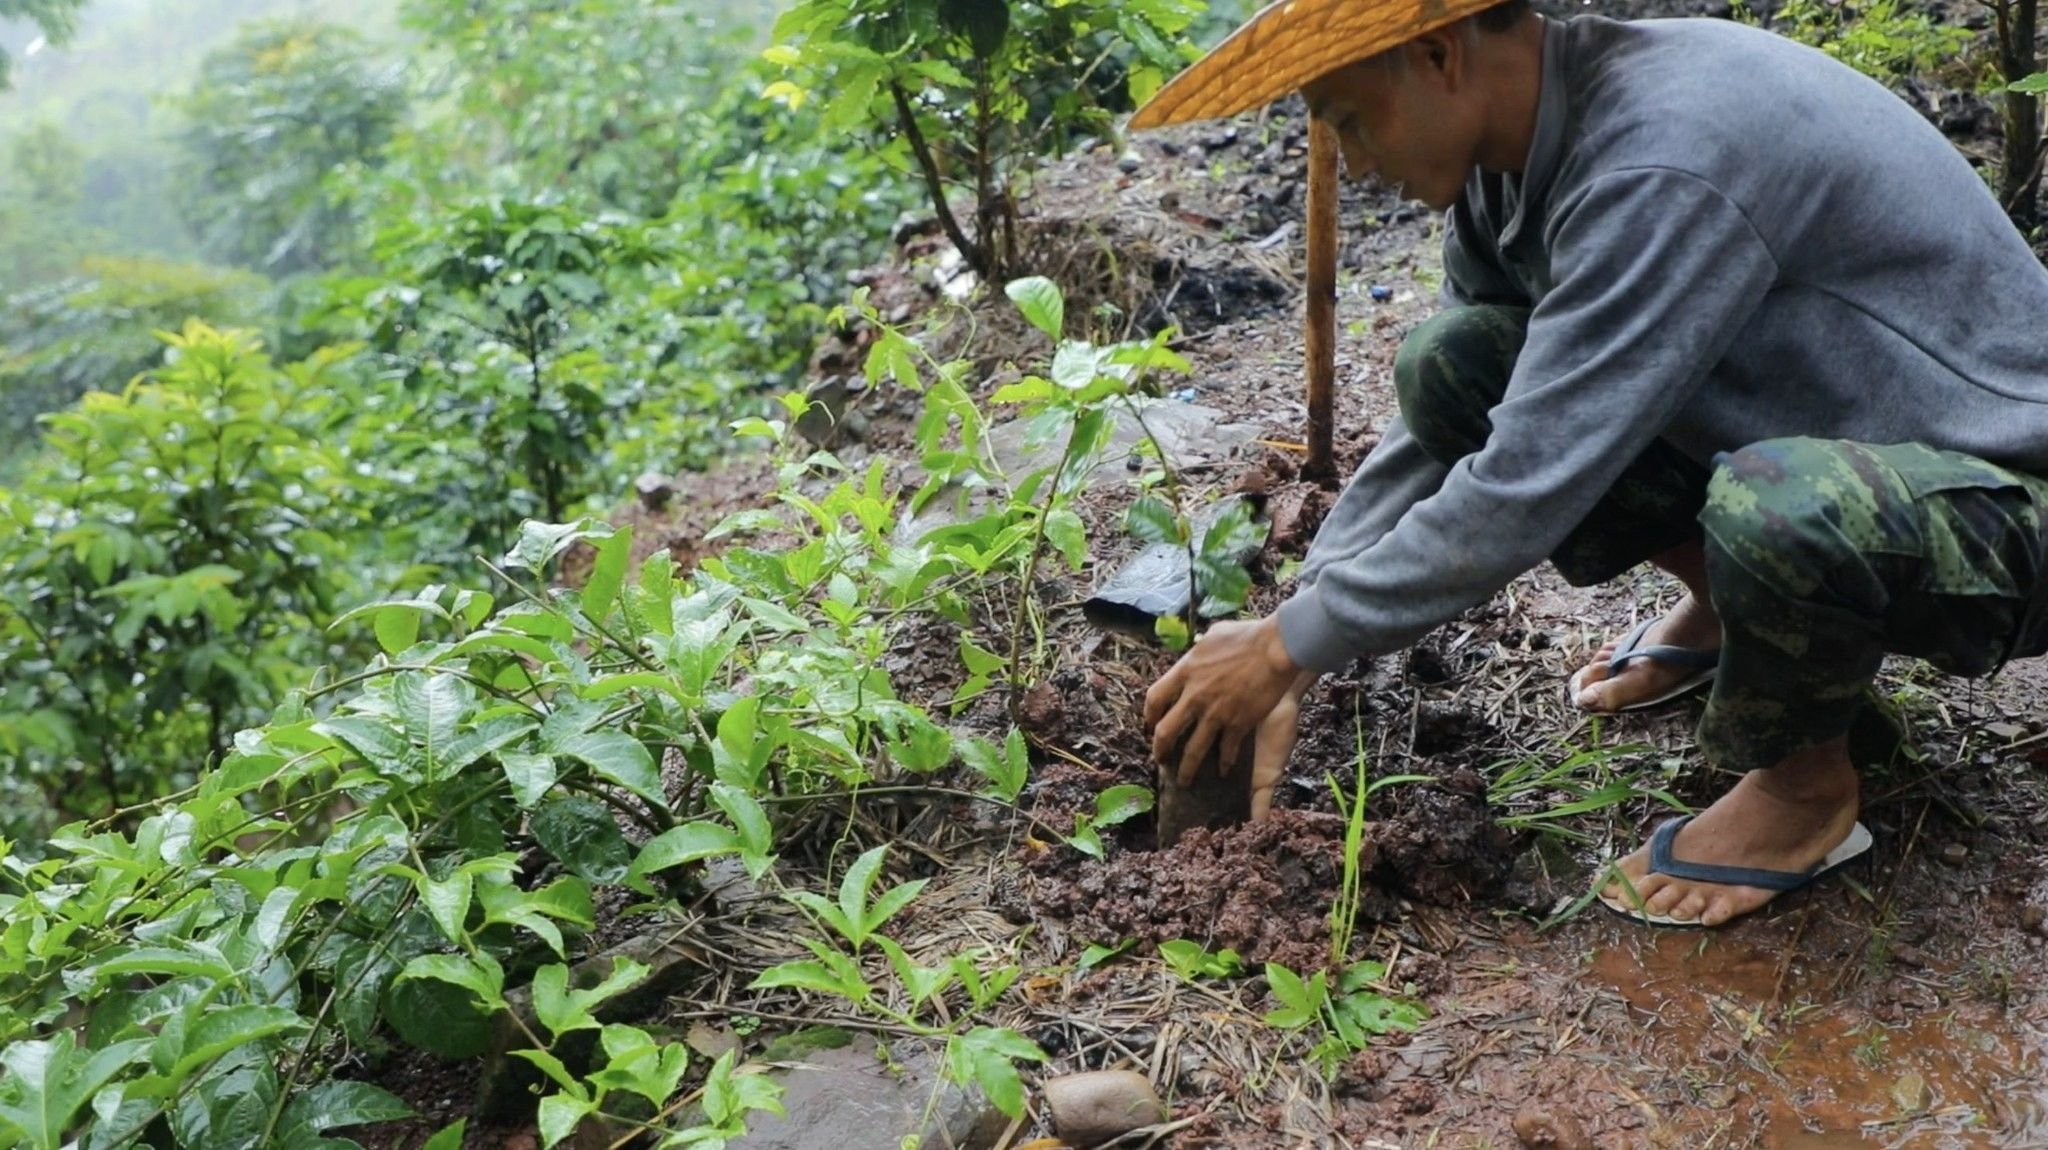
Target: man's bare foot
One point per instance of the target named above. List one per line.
(1691, 625)
(1787, 818)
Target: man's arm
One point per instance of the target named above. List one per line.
(1657, 271)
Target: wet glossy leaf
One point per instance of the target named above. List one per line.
(583, 835)
(1040, 300)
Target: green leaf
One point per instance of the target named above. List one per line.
(334, 1104)
(853, 891)
(1153, 521)
(372, 740)
(219, 1031)
(48, 1082)
(2034, 85)
(1040, 301)
(1084, 838)
(397, 628)
(553, 1005)
(1095, 954)
(447, 901)
(487, 737)
(479, 973)
(1006, 768)
(1120, 804)
(1065, 530)
(1030, 389)
(756, 835)
(776, 616)
(161, 960)
(450, 1138)
(539, 543)
(438, 1017)
(607, 575)
(1299, 1003)
(531, 776)
(987, 1057)
(431, 707)
(615, 756)
(559, 1115)
(890, 904)
(580, 832)
(685, 844)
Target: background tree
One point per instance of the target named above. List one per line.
(281, 111)
(56, 18)
(98, 330)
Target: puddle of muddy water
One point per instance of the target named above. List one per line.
(1818, 1068)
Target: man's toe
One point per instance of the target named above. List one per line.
(1666, 900)
(1690, 907)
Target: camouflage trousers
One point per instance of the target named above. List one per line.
(1823, 556)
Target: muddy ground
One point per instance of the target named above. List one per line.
(1901, 1004)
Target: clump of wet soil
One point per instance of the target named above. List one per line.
(1264, 889)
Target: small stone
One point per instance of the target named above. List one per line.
(1954, 854)
(1541, 1128)
(1381, 293)
(1092, 1108)
(1910, 1092)
(1908, 956)
(655, 490)
(2032, 917)
(1169, 201)
(1130, 163)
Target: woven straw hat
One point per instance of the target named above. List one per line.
(1287, 45)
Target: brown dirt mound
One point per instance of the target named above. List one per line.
(1265, 889)
(1262, 889)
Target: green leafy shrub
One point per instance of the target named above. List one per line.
(1882, 39)
(512, 362)
(981, 88)
(274, 116)
(99, 331)
(166, 569)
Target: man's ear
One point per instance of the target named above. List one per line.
(1442, 54)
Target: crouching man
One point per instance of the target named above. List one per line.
(1715, 302)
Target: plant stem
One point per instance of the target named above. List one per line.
(969, 251)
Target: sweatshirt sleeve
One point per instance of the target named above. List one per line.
(1394, 477)
(1656, 272)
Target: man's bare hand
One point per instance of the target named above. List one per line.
(1273, 744)
(1218, 695)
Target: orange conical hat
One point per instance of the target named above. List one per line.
(1289, 44)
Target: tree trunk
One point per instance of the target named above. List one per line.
(2020, 183)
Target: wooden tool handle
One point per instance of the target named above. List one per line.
(1322, 298)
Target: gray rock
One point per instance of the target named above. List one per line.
(848, 1099)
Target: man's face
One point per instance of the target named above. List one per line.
(1413, 126)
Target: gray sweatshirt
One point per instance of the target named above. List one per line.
(1726, 237)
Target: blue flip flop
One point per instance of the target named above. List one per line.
(1782, 882)
(1703, 664)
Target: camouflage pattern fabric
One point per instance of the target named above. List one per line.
(1454, 368)
(1823, 555)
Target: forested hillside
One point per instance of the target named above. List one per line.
(559, 572)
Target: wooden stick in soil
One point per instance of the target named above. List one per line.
(1322, 298)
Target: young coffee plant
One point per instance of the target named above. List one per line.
(165, 569)
(1344, 1020)
(974, 1056)
(979, 87)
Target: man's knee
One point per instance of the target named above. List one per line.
(1804, 517)
(1452, 370)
